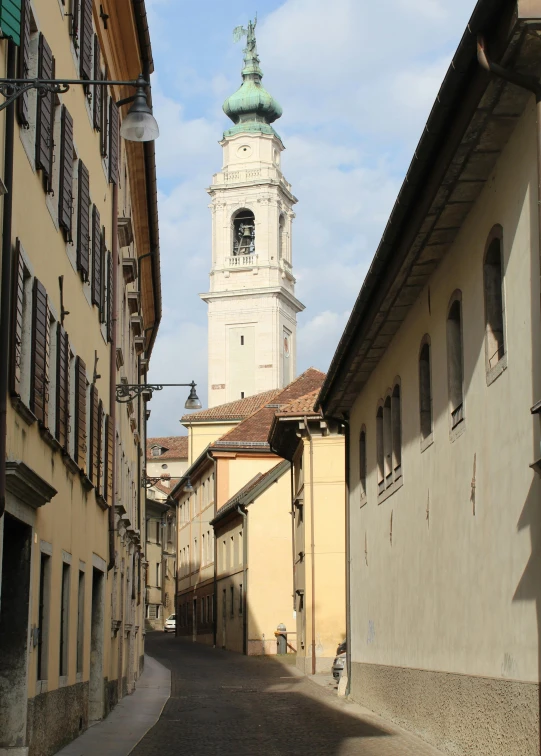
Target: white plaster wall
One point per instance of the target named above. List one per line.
(458, 591)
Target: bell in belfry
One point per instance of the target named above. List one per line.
(246, 240)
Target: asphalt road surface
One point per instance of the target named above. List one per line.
(225, 704)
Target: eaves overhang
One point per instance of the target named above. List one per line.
(192, 472)
(468, 127)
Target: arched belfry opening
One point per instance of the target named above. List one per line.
(243, 233)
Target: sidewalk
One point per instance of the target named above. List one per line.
(131, 718)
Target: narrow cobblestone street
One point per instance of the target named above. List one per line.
(223, 704)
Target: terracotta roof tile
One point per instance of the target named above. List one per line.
(176, 447)
(304, 405)
(253, 432)
(237, 410)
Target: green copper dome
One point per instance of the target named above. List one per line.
(251, 107)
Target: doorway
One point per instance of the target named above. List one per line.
(95, 703)
(14, 606)
(194, 621)
(224, 609)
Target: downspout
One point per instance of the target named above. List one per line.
(244, 515)
(112, 377)
(312, 546)
(215, 580)
(348, 556)
(5, 285)
(292, 513)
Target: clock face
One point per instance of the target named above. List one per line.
(244, 151)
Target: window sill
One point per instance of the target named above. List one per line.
(457, 431)
(497, 370)
(427, 442)
(49, 439)
(63, 681)
(25, 412)
(393, 488)
(102, 504)
(86, 482)
(364, 501)
(70, 464)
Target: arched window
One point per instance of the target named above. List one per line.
(281, 237)
(244, 233)
(362, 462)
(455, 360)
(425, 389)
(380, 449)
(396, 432)
(494, 303)
(387, 442)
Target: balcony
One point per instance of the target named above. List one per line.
(242, 261)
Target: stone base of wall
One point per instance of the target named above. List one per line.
(459, 714)
(111, 695)
(141, 664)
(56, 718)
(323, 664)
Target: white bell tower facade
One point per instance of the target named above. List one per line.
(252, 308)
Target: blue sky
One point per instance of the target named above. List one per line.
(356, 81)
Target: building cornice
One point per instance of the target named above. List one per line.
(277, 290)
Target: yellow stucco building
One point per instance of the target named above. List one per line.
(81, 260)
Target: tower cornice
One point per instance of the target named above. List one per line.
(251, 293)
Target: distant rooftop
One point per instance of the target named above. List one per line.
(173, 447)
(237, 410)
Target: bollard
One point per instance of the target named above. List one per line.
(281, 639)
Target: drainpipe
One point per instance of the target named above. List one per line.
(244, 516)
(312, 546)
(349, 638)
(5, 285)
(292, 513)
(215, 596)
(112, 377)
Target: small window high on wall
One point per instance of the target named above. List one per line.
(455, 360)
(380, 450)
(396, 432)
(425, 390)
(362, 462)
(494, 301)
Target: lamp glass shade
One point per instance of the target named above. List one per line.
(188, 488)
(139, 127)
(192, 402)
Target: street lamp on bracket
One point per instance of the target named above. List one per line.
(139, 124)
(127, 392)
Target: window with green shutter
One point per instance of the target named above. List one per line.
(10, 19)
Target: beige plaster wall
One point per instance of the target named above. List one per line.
(444, 572)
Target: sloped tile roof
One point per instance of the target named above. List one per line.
(176, 447)
(237, 410)
(253, 432)
(304, 405)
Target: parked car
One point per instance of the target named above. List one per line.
(170, 624)
(339, 663)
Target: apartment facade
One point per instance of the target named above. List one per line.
(83, 319)
(161, 560)
(438, 377)
(317, 499)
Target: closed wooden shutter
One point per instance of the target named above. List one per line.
(94, 435)
(23, 111)
(86, 40)
(96, 257)
(83, 224)
(110, 297)
(108, 478)
(62, 388)
(104, 136)
(45, 115)
(16, 336)
(80, 414)
(75, 15)
(114, 142)
(98, 89)
(39, 379)
(103, 255)
(65, 187)
(98, 482)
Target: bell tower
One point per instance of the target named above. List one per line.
(252, 308)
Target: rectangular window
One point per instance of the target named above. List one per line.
(232, 592)
(158, 575)
(241, 599)
(64, 620)
(242, 340)
(158, 532)
(65, 186)
(80, 621)
(80, 449)
(43, 616)
(203, 552)
(39, 377)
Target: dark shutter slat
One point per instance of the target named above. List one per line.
(98, 90)
(104, 136)
(40, 357)
(16, 336)
(80, 414)
(83, 224)
(114, 142)
(62, 388)
(109, 297)
(75, 8)
(45, 113)
(86, 39)
(94, 435)
(103, 256)
(96, 256)
(65, 193)
(99, 442)
(109, 441)
(23, 111)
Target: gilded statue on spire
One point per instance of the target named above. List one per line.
(239, 32)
